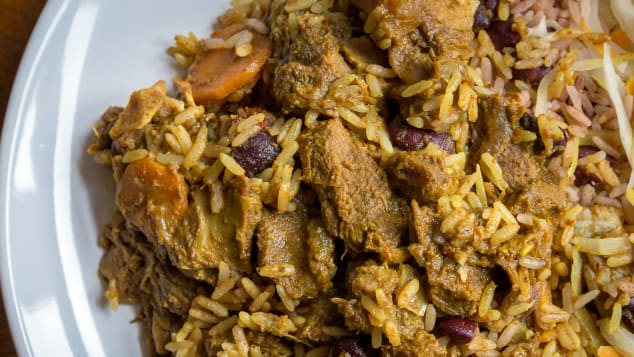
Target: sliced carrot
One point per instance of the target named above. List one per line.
(217, 73)
(620, 38)
(152, 197)
(607, 351)
(629, 86)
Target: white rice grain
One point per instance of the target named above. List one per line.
(380, 71)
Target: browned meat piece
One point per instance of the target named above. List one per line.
(301, 87)
(308, 61)
(448, 27)
(519, 169)
(426, 34)
(367, 278)
(153, 198)
(320, 314)
(269, 345)
(356, 201)
(321, 254)
(422, 341)
(244, 210)
(414, 338)
(454, 288)
(102, 145)
(364, 280)
(409, 57)
(361, 51)
(495, 129)
(421, 176)
(451, 294)
(411, 326)
(203, 239)
(355, 316)
(123, 129)
(281, 239)
(144, 104)
(541, 198)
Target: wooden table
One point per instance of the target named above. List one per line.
(17, 18)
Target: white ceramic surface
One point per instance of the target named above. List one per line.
(84, 55)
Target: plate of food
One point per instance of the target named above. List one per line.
(322, 178)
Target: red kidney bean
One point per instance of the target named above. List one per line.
(586, 150)
(459, 329)
(409, 138)
(627, 315)
(582, 177)
(531, 76)
(257, 153)
(529, 122)
(480, 19)
(502, 35)
(348, 345)
(490, 4)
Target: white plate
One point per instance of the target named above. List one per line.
(84, 55)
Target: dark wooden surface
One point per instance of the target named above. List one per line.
(17, 18)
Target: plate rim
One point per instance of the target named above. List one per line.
(45, 26)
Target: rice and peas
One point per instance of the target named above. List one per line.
(578, 90)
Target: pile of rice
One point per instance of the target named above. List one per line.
(589, 279)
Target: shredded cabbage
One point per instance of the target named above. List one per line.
(541, 98)
(623, 11)
(616, 89)
(621, 339)
(593, 17)
(589, 64)
(539, 30)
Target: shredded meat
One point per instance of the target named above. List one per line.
(140, 277)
